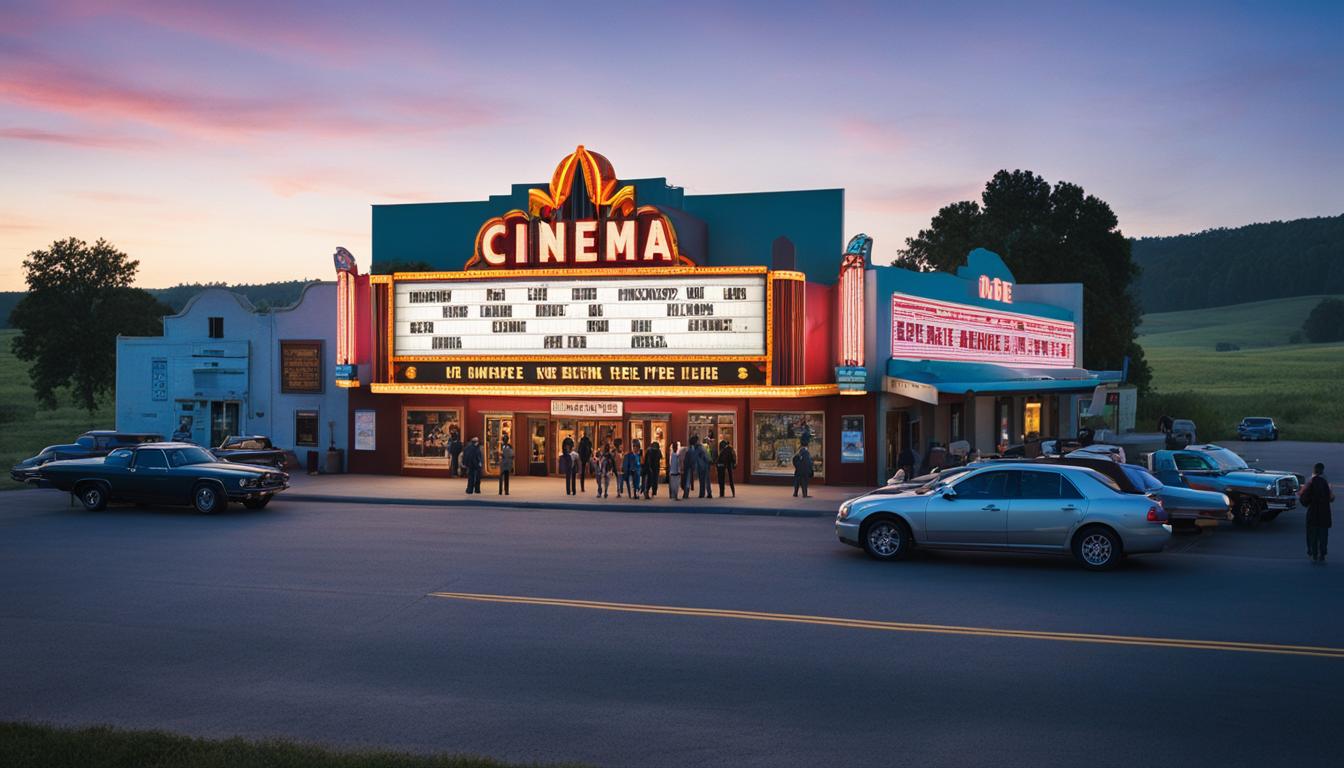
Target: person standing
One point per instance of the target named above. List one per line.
(653, 464)
(602, 471)
(697, 461)
(630, 470)
(725, 464)
(472, 459)
(618, 462)
(802, 470)
(585, 458)
(505, 460)
(565, 466)
(455, 451)
(673, 469)
(1316, 497)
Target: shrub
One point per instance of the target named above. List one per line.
(1326, 322)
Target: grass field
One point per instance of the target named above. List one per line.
(1300, 385)
(31, 746)
(25, 430)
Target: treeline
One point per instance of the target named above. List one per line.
(1231, 266)
(262, 295)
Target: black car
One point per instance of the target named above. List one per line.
(250, 449)
(163, 473)
(95, 442)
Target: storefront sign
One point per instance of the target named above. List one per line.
(915, 390)
(366, 430)
(594, 408)
(619, 373)
(300, 367)
(851, 439)
(158, 378)
(927, 329)
(347, 372)
(995, 289)
(852, 379)
(638, 316)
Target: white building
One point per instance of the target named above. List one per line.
(224, 368)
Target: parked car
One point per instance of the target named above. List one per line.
(1010, 506)
(1183, 431)
(1100, 451)
(95, 442)
(164, 473)
(1256, 495)
(1257, 428)
(1185, 506)
(250, 449)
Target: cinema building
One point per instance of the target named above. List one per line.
(617, 309)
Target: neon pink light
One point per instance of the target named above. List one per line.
(927, 329)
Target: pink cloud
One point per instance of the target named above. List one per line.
(32, 81)
(871, 135)
(92, 140)
(338, 181)
(919, 199)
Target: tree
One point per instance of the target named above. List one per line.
(79, 300)
(1047, 234)
(1326, 322)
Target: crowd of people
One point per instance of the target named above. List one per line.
(638, 470)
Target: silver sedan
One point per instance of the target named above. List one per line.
(1056, 509)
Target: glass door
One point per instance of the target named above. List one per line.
(536, 446)
(565, 429)
(496, 426)
(223, 421)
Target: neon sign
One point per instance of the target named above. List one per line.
(927, 329)
(995, 289)
(552, 233)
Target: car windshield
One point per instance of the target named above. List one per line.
(181, 457)
(944, 477)
(1141, 478)
(1226, 459)
(1256, 422)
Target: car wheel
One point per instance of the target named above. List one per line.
(1247, 511)
(208, 499)
(887, 539)
(93, 496)
(257, 503)
(1097, 548)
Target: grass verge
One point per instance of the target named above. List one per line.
(25, 745)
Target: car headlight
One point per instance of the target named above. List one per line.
(844, 510)
(248, 482)
(1269, 488)
(1227, 501)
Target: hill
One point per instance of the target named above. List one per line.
(262, 295)
(1218, 267)
(1297, 384)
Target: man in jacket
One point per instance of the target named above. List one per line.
(653, 464)
(802, 470)
(565, 466)
(725, 463)
(698, 461)
(1316, 497)
(630, 470)
(472, 459)
(505, 459)
(585, 458)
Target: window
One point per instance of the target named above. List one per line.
(181, 457)
(305, 428)
(713, 427)
(1192, 461)
(1067, 490)
(956, 427)
(779, 436)
(216, 327)
(1039, 485)
(119, 458)
(425, 433)
(986, 485)
(150, 458)
(497, 425)
(301, 367)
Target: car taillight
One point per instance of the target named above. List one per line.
(1157, 515)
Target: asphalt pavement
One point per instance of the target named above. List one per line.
(691, 639)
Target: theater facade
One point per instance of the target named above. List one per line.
(611, 308)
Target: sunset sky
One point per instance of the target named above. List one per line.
(243, 141)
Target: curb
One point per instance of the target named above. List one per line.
(624, 507)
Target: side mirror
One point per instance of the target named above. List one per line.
(949, 494)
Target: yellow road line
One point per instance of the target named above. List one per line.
(900, 626)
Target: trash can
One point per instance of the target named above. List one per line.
(335, 461)
(312, 462)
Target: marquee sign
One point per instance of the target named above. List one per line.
(927, 329)
(653, 316)
(617, 373)
(553, 233)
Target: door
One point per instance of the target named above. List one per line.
(1045, 509)
(148, 476)
(537, 445)
(223, 421)
(635, 429)
(974, 514)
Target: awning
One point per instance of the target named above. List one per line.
(924, 379)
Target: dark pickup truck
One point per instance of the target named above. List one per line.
(250, 449)
(1257, 495)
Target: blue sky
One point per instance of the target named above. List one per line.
(244, 141)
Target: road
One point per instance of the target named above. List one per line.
(321, 623)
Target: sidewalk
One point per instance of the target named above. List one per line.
(549, 493)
